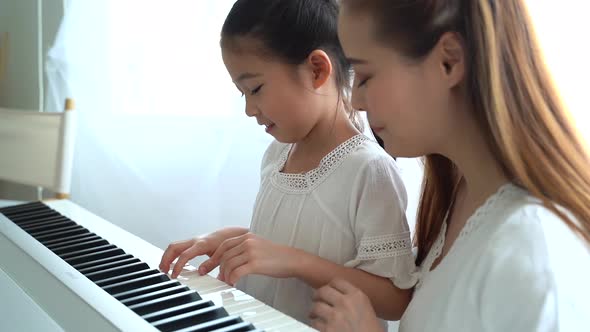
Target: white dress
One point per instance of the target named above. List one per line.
(349, 210)
(514, 267)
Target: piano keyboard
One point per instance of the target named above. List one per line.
(119, 280)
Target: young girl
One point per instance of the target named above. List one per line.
(503, 229)
(320, 211)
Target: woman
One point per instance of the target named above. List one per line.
(503, 229)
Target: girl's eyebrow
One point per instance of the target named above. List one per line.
(246, 76)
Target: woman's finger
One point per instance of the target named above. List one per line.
(343, 286)
(328, 295)
(321, 311)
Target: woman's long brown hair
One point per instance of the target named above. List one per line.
(516, 104)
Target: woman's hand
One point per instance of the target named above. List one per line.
(339, 306)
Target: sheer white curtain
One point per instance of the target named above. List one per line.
(163, 147)
(563, 28)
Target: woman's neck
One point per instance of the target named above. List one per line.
(482, 172)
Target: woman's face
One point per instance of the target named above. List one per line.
(408, 101)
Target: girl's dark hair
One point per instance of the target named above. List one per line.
(290, 30)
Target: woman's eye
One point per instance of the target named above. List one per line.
(363, 82)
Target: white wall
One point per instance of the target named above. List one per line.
(19, 87)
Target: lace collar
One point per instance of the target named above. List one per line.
(470, 226)
(306, 182)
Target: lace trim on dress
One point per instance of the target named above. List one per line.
(471, 225)
(385, 246)
(301, 183)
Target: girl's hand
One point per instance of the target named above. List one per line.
(251, 254)
(339, 306)
(189, 249)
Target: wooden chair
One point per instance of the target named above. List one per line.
(37, 148)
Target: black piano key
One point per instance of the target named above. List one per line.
(32, 212)
(240, 327)
(177, 310)
(16, 210)
(164, 302)
(125, 277)
(82, 252)
(21, 207)
(101, 261)
(136, 283)
(35, 225)
(77, 240)
(66, 239)
(79, 248)
(190, 319)
(147, 289)
(94, 256)
(154, 295)
(214, 324)
(105, 266)
(49, 226)
(58, 230)
(27, 217)
(42, 221)
(85, 248)
(117, 271)
(60, 234)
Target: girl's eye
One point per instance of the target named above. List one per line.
(257, 89)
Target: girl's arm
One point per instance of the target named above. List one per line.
(251, 254)
(388, 301)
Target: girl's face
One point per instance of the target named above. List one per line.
(278, 95)
(409, 103)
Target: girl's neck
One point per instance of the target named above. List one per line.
(328, 133)
(325, 136)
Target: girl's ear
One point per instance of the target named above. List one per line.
(321, 68)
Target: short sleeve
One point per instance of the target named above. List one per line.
(517, 298)
(378, 217)
(536, 284)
